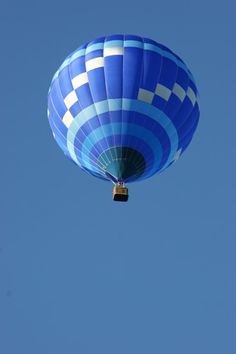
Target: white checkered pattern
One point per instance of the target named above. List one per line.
(80, 80)
(70, 99)
(191, 95)
(67, 119)
(145, 95)
(113, 51)
(179, 91)
(94, 63)
(165, 93)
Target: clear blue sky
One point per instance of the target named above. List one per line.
(80, 274)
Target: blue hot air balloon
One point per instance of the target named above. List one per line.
(123, 108)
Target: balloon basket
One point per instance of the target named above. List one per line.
(120, 192)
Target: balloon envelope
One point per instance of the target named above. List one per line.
(123, 107)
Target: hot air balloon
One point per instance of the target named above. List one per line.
(123, 108)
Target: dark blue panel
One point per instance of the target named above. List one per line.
(156, 129)
(132, 71)
(174, 103)
(183, 113)
(182, 78)
(64, 79)
(58, 125)
(57, 99)
(168, 73)
(58, 128)
(77, 67)
(172, 107)
(189, 124)
(84, 96)
(159, 102)
(75, 109)
(152, 63)
(97, 84)
(116, 37)
(193, 86)
(94, 54)
(113, 70)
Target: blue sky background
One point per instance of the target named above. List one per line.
(80, 274)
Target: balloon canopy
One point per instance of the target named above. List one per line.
(123, 107)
